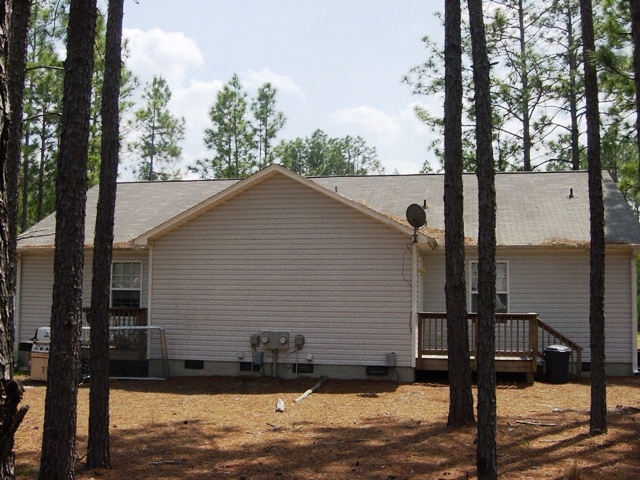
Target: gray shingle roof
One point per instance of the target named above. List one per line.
(533, 208)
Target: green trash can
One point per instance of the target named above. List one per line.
(556, 363)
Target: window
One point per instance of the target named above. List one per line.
(126, 284)
(502, 287)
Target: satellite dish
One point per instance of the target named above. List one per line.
(416, 216)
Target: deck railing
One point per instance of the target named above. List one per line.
(549, 336)
(514, 334)
(122, 339)
(517, 336)
(120, 317)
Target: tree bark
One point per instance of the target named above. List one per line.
(598, 417)
(486, 458)
(13, 52)
(98, 452)
(460, 396)
(59, 433)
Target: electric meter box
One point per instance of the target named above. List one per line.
(273, 340)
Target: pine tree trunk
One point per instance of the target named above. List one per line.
(98, 452)
(460, 396)
(59, 433)
(10, 389)
(486, 458)
(572, 62)
(598, 421)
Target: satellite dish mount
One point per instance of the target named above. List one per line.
(417, 218)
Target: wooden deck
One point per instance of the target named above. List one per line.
(122, 339)
(520, 340)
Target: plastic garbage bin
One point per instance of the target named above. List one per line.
(556, 363)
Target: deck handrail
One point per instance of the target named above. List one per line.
(518, 335)
(121, 316)
(549, 333)
(513, 333)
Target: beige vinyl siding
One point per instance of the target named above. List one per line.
(557, 288)
(555, 285)
(433, 295)
(284, 257)
(36, 287)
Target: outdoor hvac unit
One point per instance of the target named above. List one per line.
(272, 340)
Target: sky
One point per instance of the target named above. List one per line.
(337, 66)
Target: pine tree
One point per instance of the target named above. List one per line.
(13, 52)
(486, 458)
(59, 433)
(460, 396)
(98, 451)
(268, 122)
(598, 412)
(230, 138)
(159, 134)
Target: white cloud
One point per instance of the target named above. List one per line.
(156, 52)
(281, 82)
(382, 124)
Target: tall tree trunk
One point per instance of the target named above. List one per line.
(20, 16)
(43, 159)
(598, 421)
(24, 201)
(526, 91)
(486, 450)
(59, 434)
(572, 62)
(460, 396)
(98, 454)
(13, 52)
(634, 6)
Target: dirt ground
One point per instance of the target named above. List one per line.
(202, 428)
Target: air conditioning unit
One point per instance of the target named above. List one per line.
(272, 340)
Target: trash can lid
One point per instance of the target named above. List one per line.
(557, 348)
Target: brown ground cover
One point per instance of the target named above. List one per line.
(202, 428)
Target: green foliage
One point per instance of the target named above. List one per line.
(43, 108)
(268, 122)
(617, 95)
(321, 155)
(231, 136)
(242, 133)
(159, 134)
(530, 44)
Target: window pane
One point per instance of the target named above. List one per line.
(474, 277)
(125, 299)
(117, 268)
(136, 274)
(502, 305)
(125, 284)
(501, 277)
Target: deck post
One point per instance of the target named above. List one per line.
(533, 347)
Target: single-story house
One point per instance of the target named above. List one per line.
(321, 276)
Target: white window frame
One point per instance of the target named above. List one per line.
(473, 264)
(128, 289)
